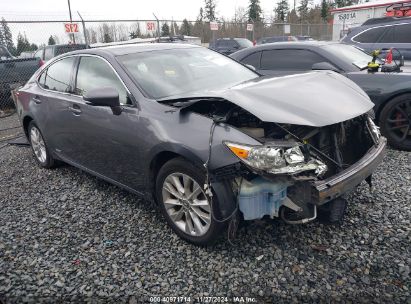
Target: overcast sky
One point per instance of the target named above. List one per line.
(135, 9)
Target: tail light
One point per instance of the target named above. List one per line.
(41, 63)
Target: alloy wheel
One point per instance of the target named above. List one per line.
(398, 123)
(37, 142)
(186, 204)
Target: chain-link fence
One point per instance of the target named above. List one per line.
(26, 44)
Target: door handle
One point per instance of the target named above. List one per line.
(36, 100)
(75, 109)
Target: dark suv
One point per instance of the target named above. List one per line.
(383, 33)
(228, 46)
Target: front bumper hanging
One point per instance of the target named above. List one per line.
(326, 190)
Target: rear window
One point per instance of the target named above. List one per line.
(253, 59)
(244, 43)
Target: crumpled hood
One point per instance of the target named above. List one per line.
(316, 99)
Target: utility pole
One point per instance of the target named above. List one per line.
(84, 29)
(71, 21)
(158, 27)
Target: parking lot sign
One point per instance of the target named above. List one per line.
(250, 27)
(71, 28)
(151, 26)
(214, 26)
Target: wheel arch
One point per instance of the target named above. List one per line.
(162, 155)
(26, 121)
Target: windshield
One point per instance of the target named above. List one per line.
(245, 43)
(350, 54)
(168, 73)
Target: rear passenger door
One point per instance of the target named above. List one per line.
(279, 62)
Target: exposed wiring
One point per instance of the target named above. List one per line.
(207, 185)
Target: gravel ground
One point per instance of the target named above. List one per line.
(67, 236)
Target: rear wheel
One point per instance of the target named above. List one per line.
(395, 122)
(39, 147)
(186, 207)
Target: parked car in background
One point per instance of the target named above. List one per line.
(383, 33)
(304, 38)
(390, 92)
(47, 52)
(14, 72)
(26, 54)
(273, 39)
(204, 136)
(228, 46)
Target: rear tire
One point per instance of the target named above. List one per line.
(395, 122)
(40, 150)
(181, 198)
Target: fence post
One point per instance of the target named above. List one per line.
(84, 29)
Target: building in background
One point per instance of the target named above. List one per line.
(351, 16)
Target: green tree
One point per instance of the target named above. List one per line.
(281, 11)
(209, 10)
(165, 30)
(304, 9)
(6, 38)
(107, 38)
(254, 11)
(324, 10)
(185, 28)
(51, 40)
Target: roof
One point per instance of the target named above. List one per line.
(377, 3)
(117, 50)
(295, 44)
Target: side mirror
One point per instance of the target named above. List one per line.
(324, 66)
(104, 97)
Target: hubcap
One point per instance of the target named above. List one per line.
(186, 204)
(399, 121)
(38, 145)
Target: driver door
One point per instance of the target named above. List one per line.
(99, 140)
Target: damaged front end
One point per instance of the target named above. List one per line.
(298, 168)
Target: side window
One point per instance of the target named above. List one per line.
(289, 60)
(253, 59)
(388, 36)
(93, 73)
(39, 54)
(402, 33)
(370, 36)
(48, 53)
(58, 75)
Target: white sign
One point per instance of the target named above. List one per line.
(71, 27)
(214, 26)
(150, 26)
(287, 29)
(250, 27)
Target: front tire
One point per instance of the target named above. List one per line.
(40, 150)
(183, 202)
(395, 122)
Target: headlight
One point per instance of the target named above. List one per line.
(276, 159)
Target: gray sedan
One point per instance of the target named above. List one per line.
(207, 138)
